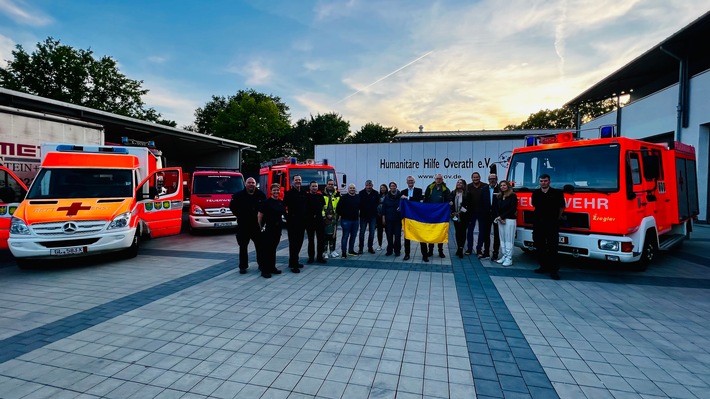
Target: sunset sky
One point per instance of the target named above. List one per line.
(446, 65)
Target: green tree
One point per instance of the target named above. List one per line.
(250, 117)
(328, 128)
(62, 73)
(565, 117)
(373, 133)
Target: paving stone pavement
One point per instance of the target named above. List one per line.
(179, 321)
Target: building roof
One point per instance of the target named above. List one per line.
(476, 135)
(179, 143)
(656, 69)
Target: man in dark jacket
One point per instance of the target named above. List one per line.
(436, 192)
(493, 189)
(245, 206)
(392, 220)
(314, 223)
(412, 193)
(295, 202)
(478, 208)
(369, 200)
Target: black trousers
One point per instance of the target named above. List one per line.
(316, 230)
(245, 234)
(496, 238)
(296, 232)
(546, 238)
(427, 248)
(266, 250)
(460, 232)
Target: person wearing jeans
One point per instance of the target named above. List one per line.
(506, 219)
(349, 210)
(369, 199)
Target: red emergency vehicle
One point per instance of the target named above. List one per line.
(12, 192)
(625, 198)
(89, 199)
(211, 189)
(281, 170)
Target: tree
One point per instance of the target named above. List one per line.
(565, 117)
(62, 73)
(327, 128)
(250, 117)
(373, 133)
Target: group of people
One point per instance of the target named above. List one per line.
(492, 207)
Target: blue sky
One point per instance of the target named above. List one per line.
(446, 65)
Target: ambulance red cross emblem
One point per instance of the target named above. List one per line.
(74, 208)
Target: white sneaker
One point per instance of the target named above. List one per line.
(379, 248)
(508, 262)
(334, 254)
(325, 255)
(500, 260)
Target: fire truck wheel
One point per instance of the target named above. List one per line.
(650, 247)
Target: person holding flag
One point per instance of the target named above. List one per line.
(436, 193)
(426, 222)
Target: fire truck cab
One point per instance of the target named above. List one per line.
(93, 199)
(281, 170)
(211, 190)
(625, 198)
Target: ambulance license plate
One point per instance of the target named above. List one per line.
(563, 240)
(222, 224)
(67, 251)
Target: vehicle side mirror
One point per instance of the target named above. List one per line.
(345, 181)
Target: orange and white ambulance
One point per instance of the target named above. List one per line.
(625, 198)
(12, 191)
(89, 199)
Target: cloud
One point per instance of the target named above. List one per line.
(333, 9)
(494, 63)
(254, 71)
(157, 59)
(6, 48)
(24, 14)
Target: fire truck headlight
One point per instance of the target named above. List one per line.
(196, 210)
(120, 222)
(609, 245)
(18, 226)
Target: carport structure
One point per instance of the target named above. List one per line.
(180, 147)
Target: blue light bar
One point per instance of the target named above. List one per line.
(530, 141)
(607, 131)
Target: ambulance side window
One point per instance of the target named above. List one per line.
(635, 168)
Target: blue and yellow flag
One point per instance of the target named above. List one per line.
(425, 222)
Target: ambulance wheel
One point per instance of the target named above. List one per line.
(650, 247)
(132, 251)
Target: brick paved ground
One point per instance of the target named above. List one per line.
(180, 322)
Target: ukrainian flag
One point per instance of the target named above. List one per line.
(425, 222)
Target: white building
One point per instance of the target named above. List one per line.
(669, 89)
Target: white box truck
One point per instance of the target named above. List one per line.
(22, 132)
(385, 162)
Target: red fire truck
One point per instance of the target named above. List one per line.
(211, 189)
(281, 170)
(625, 198)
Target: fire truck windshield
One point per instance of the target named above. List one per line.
(218, 184)
(320, 176)
(58, 183)
(590, 168)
